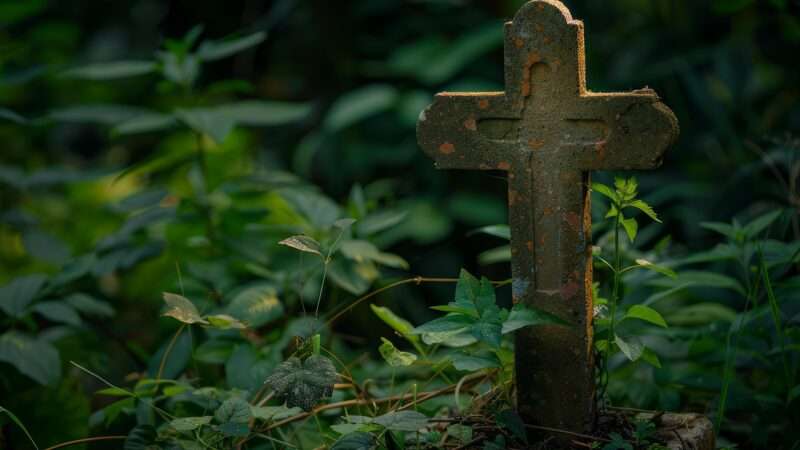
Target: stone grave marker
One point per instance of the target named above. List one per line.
(548, 132)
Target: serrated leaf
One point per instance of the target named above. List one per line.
(303, 384)
(402, 421)
(646, 314)
(256, 306)
(630, 346)
(32, 357)
(214, 50)
(16, 295)
(182, 309)
(111, 70)
(303, 243)
(642, 206)
(606, 191)
(190, 423)
(234, 410)
(631, 227)
(467, 289)
(522, 316)
(488, 331)
(395, 357)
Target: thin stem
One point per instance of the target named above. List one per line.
(613, 300)
(89, 439)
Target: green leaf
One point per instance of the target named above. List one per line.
(454, 338)
(650, 357)
(630, 346)
(450, 322)
(56, 311)
(214, 50)
(395, 357)
(303, 384)
(145, 123)
(355, 441)
(111, 70)
(631, 227)
(190, 423)
(645, 208)
(489, 331)
(754, 228)
(701, 279)
(701, 314)
(396, 322)
(256, 306)
(645, 264)
(234, 410)
(224, 322)
(471, 363)
(459, 309)
(16, 295)
(303, 243)
(274, 412)
(182, 309)
(724, 229)
(378, 221)
(606, 191)
(88, 305)
(8, 114)
(522, 316)
(500, 231)
(208, 121)
(646, 314)
(361, 251)
(19, 423)
(98, 113)
(33, 357)
(45, 247)
(402, 420)
(495, 255)
(486, 299)
(264, 113)
(358, 105)
(234, 429)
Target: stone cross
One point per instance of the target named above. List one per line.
(547, 131)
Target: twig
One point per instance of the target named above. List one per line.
(568, 433)
(89, 439)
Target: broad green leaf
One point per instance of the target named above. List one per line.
(111, 70)
(320, 210)
(522, 316)
(645, 264)
(488, 330)
(486, 299)
(214, 50)
(256, 306)
(402, 420)
(58, 311)
(645, 208)
(303, 243)
(355, 441)
(650, 357)
(606, 191)
(358, 105)
(450, 322)
(99, 114)
(264, 113)
(701, 314)
(303, 384)
(273, 412)
(90, 306)
(754, 228)
(701, 279)
(630, 346)
(646, 314)
(471, 363)
(32, 357)
(208, 121)
(214, 351)
(495, 255)
(351, 276)
(467, 289)
(190, 423)
(724, 229)
(145, 123)
(395, 357)
(45, 247)
(378, 221)
(361, 251)
(182, 309)
(245, 369)
(631, 227)
(233, 409)
(456, 308)
(454, 338)
(224, 322)
(17, 295)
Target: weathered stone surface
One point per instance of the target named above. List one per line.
(685, 431)
(547, 131)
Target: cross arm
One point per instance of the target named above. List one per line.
(469, 131)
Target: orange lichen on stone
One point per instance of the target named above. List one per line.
(570, 289)
(447, 148)
(512, 197)
(573, 220)
(535, 144)
(483, 103)
(504, 165)
(518, 42)
(470, 124)
(529, 244)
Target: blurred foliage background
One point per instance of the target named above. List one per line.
(353, 76)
